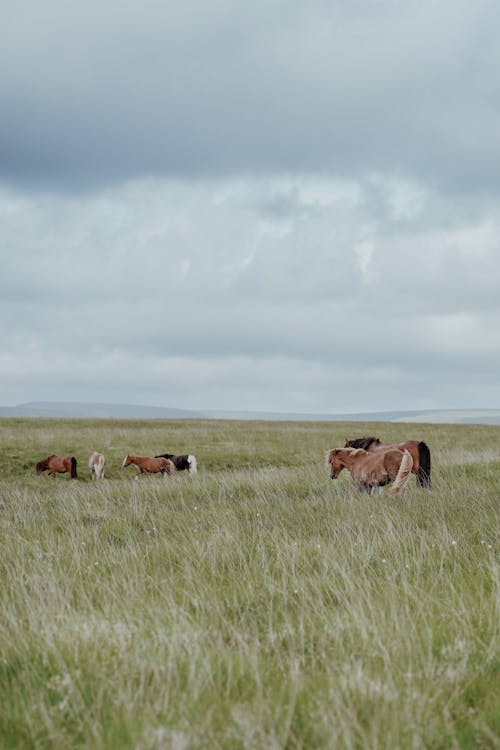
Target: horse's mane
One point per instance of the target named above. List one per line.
(350, 450)
(363, 442)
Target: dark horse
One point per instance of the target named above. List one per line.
(418, 450)
(57, 465)
(181, 463)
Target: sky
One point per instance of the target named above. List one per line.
(279, 206)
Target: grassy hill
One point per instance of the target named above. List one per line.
(255, 605)
(89, 410)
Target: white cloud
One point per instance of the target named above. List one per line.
(161, 292)
(365, 252)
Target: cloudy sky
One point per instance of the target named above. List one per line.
(284, 205)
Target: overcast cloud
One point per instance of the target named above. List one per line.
(287, 207)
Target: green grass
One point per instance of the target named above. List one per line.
(256, 605)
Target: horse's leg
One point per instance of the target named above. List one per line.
(364, 488)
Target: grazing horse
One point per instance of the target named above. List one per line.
(419, 451)
(372, 469)
(181, 463)
(57, 465)
(147, 465)
(97, 464)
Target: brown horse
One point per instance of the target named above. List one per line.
(147, 465)
(371, 470)
(57, 465)
(419, 451)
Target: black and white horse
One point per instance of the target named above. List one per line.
(181, 463)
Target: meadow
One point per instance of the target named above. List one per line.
(256, 605)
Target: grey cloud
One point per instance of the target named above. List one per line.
(282, 206)
(129, 89)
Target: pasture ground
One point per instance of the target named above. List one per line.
(257, 605)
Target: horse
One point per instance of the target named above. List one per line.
(419, 451)
(147, 465)
(57, 465)
(97, 464)
(372, 469)
(181, 463)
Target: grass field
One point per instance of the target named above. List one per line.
(255, 605)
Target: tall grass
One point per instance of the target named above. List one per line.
(256, 605)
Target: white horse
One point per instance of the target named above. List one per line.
(97, 464)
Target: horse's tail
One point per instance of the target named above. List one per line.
(193, 469)
(99, 469)
(424, 466)
(404, 472)
(74, 475)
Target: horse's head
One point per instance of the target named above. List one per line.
(333, 460)
(40, 467)
(126, 461)
(342, 458)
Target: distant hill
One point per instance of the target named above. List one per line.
(95, 410)
(455, 416)
(128, 411)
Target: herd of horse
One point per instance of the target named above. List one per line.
(166, 464)
(371, 463)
